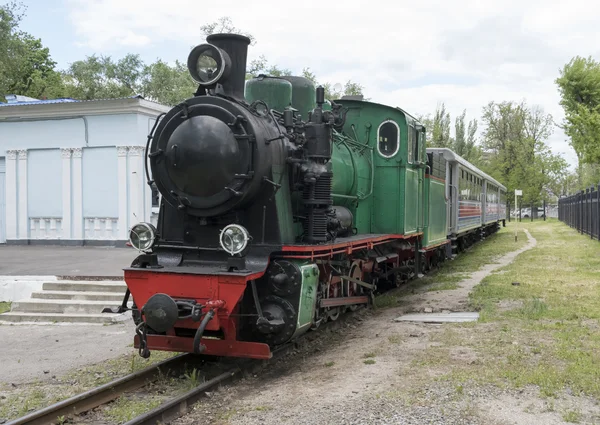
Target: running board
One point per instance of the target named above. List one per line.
(335, 302)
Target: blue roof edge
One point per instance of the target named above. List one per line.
(64, 100)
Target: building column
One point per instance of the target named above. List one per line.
(23, 216)
(77, 195)
(66, 192)
(11, 195)
(136, 181)
(122, 174)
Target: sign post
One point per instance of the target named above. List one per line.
(518, 192)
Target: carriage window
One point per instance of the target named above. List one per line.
(417, 145)
(388, 137)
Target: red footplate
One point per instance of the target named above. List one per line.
(214, 347)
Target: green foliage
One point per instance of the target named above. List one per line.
(102, 78)
(261, 66)
(517, 155)
(331, 91)
(224, 25)
(4, 306)
(464, 142)
(26, 67)
(579, 87)
(440, 128)
(167, 84)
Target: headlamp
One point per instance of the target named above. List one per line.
(208, 64)
(142, 236)
(234, 239)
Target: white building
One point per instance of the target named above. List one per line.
(72, 172)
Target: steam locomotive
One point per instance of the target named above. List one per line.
(281, 210)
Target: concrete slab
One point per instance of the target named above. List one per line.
(78, 295)
(40, 352)
(28, 318)
(118, 287)
(14, 288)
(90, 261)
(61, 306)
(439, 317)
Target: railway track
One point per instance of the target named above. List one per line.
(162, 414)
(100, 395)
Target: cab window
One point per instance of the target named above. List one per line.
(388, 139)
(416, 145)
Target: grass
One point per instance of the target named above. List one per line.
(549, 336)
(571, 416)
(454, 271)
(369, 361)
(26, 398)
(124, 409)
(4, 306)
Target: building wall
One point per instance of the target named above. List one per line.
(74, 181)
(2, 201)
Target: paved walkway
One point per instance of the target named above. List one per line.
(64, 261)
(53, 350)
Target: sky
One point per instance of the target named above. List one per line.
(414, 55)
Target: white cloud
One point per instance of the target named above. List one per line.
(409, 54)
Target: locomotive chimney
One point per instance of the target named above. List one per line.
(236, 46)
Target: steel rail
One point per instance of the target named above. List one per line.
(162, 414)
(178, 406)
(97, 396)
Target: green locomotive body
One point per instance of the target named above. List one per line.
(397, 142)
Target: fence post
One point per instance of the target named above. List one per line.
(544, 209)
(581, 211)
(585, 211)
(508, 209)
(531, 212)
(598, 210)
(591, 212)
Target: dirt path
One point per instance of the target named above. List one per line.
(456, 299)
(370, 374)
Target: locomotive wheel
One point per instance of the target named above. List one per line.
(333, 291)
(354, 289)
(333, 314)
(433, 260)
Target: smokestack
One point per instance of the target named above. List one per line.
(236, 47)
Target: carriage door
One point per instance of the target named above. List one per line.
(2, 200)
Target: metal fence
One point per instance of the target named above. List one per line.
(532, 211)
(580, 211)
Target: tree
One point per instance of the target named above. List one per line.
(517, 155)
(460, 140)
(224, 25)
(257, 66)
(26, 67)
(438, 128)
(472, 151)
(579, 87)
(102, 78)
(331, 91)
(260, 66)
(167, 84)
